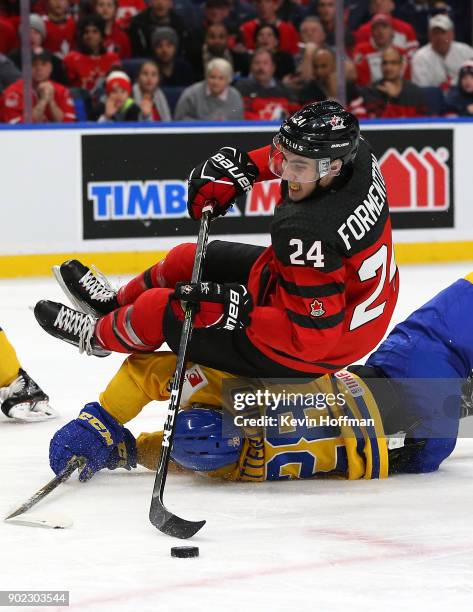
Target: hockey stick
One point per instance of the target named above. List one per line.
(73, 464)
(160, 517)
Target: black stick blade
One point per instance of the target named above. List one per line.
(172, 525)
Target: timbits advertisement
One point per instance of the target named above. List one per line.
(134, 185)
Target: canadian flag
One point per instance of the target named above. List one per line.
(417, 180)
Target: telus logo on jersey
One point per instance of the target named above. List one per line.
(123, 200)
(417, 180)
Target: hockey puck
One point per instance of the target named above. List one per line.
(184, 552)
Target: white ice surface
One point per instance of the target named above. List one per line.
(405, 543)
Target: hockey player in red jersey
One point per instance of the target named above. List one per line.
(320, 297)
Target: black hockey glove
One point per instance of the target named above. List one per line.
(235, 299)
(219, 180)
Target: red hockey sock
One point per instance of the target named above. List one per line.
(135, 327)
(176, 266)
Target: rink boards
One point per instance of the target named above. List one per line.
(117, 195)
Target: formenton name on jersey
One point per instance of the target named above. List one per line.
(366, 214)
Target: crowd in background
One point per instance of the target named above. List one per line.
(223, 60)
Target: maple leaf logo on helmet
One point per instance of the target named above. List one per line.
(337, 123)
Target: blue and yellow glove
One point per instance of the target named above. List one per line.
(98, 437)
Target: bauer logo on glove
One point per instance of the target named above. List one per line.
(233, 310)
(218, 305)
(220, 161)
(219, 180)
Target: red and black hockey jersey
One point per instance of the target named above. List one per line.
(325, 290)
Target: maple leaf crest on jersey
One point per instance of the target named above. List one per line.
(317, 309)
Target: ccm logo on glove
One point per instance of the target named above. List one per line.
(98, 425)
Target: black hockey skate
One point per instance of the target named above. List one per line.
(24, 400)
(69, 325)
(88, 289)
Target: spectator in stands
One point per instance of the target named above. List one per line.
(265, 98)
(8, 39)
(404, 35)
(37, 37)
(217, 45)
(267, 9)
(175, 71)
(391, 96)
(312, 35)
(323, 85)
(52, 102)
(418, 12)
(87, 67)
(119, 105)
(213, 99)
(159, 14)
(9, 73)
(325, 11)
(148, 95)
(215, 11)
(116, 39)
(437, 64)
(267, 37)
(460, 98)
(367, 55)
(60, 27)
(292, 11)
(312, 31)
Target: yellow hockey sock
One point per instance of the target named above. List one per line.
(9, 364)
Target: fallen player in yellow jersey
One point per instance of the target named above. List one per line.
(398, 413)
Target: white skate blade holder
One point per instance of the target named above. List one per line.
(45, 520)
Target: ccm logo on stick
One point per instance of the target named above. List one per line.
(234, 307)
(233, 171)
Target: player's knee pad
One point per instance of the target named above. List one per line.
(178, 263)
(199, 443)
